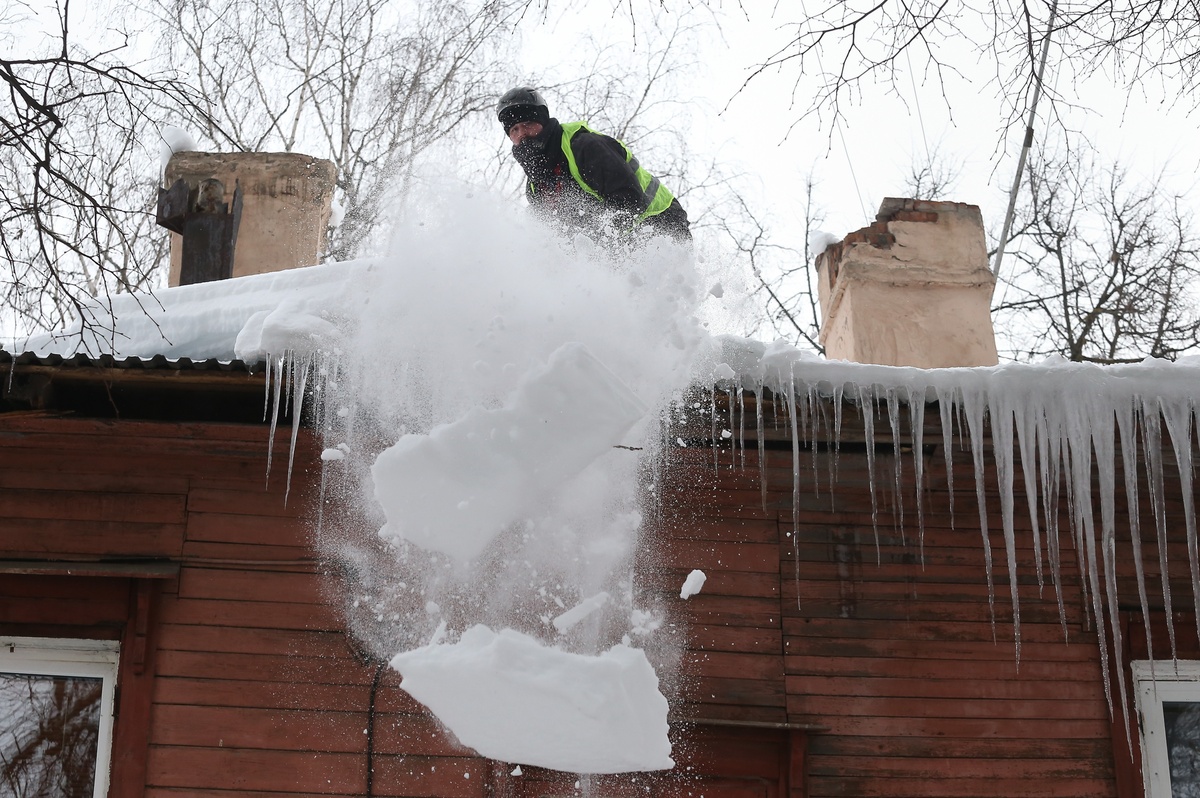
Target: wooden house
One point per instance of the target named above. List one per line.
(843, 645)
(840, 661)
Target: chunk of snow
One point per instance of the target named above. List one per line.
(819, 241)
(337, 212)
(516, 771)
(514, 699)
(455, 489)
(332, 454)
(692, 585)
(582, 610)
(172, 140)
(717, 290)
(291, 326)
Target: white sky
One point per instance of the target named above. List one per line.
(882, 133)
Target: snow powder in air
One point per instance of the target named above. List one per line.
(504, 387)
(437, 352)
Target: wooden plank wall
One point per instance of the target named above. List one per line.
(257, 690)
(893, 656)
(836, 624)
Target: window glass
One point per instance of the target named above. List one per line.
(1181, 722)
(56, 701)
(49, 731)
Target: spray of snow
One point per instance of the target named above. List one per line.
(501, 394)
(457, 346)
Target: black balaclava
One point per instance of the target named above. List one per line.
(534, 153)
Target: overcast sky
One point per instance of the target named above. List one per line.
(867, 156)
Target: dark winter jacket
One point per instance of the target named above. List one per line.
(605, 176)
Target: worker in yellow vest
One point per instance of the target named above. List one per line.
(579, 177)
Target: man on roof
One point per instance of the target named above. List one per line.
(582, 178)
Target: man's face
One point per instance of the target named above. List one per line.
(523, 130)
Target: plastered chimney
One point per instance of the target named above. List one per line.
(913, 289)
(286, 199)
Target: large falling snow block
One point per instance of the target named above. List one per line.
(516, 700)
(455, 489)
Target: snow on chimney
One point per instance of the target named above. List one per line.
(285, 208)
(913, 289)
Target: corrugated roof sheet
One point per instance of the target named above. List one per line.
(7, 359)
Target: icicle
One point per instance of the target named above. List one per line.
(974, 406)
(1105, 449)
(1080, 419)
(267, 392)
(275, 364)
(826, 425)
(793, 412)
(1075, 444)
(1178, 416)
(916, 420)
(1127, 425)
(893, 406)
(866, 406)
(762, 445)
(300, 381)
(946, 404)
(741, 422)
(1152, 446)
(816, 409)
(838, 399)
(1001, 419)
(800, 426)
(1027, 440)
(1050, 446)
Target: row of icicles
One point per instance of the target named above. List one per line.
(1064, 422)
(1070, 420)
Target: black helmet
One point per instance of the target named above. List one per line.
(522, 104)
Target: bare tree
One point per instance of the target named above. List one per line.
(74, 205)
(844, 47)
(934, 177)
(1107, 267)
(370, 84)
(786, 277)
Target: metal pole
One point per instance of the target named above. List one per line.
(1037, 94)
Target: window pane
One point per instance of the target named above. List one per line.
(49, 729)
(1182, 722)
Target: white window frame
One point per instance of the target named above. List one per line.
(51, 656)
(1156, 682)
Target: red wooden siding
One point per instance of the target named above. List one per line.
(825, 656)
(890, 659)
(256, 689)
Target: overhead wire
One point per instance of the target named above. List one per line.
(841, 136)
(920, 117)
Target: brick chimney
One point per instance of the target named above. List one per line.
(284, 208)
(913, 289)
